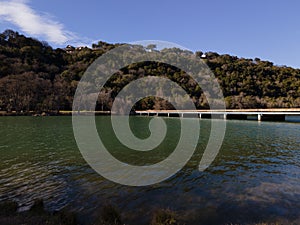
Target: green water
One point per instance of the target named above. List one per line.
(255, 177)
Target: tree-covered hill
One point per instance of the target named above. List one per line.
(36, 77)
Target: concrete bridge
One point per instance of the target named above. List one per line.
(291, 114)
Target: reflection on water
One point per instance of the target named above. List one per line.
(255, 177)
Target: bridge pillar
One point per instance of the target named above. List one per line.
(199, 115)
(168, 114)
(225, 116)
(259, 117)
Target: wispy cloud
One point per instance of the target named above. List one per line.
(19, 13)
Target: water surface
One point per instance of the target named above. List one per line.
(255, 177)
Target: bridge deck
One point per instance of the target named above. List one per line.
(292, 111)
(261, 114)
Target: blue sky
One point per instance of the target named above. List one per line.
(267, 29)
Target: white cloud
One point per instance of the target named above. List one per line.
(19, 13)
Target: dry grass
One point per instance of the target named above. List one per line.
(110, 215)
(164, 217)
(35, 216)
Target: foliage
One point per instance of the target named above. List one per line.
(36, 77)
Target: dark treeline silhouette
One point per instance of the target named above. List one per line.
(36, 77)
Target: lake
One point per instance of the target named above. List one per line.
(255, 177)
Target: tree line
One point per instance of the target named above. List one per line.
(36, 77)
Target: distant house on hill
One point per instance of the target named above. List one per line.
(203, 56)
(80, 48)
(69, 49)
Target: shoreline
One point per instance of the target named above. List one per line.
(51, 113)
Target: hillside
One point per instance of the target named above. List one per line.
(36, 77)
